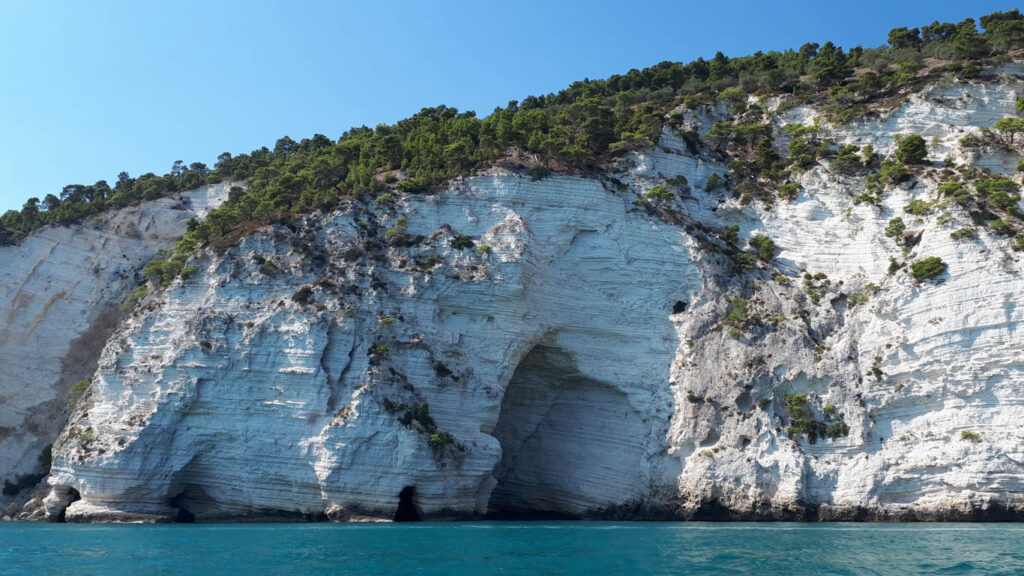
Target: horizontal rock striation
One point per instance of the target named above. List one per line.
(518, 348)
(60, 293)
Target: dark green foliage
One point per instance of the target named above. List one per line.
(917, 207)
(539, 172)
(848, 160)
(894, 266)
(269, 268)
(895, 229)
(460, 242)
(963, 234)
(738, 311)
(77, 391)
(1002, 192)
(659, 193)
(911, 149)
(951, 189)
(802, 422)
(789, 190)
(746, 261)
(399, 228)
(730, 234)
(856, 299)
(23, 482)
(1011, 127)
(837, 430)
(714, 182)
(765, 247)
(303, 295)
(794, 400)
(904, 38)
(378, 353)
(968, 435)
(135, 297)
(163, 272)
(581, 128)
(1004, 30)
(439, 441)
(677, 181)
(893, 172)
(927, 269)
(1017, 243)
(804, 147)
(418, 417)
(1000, 227)
(45, 457)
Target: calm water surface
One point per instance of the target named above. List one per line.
(513, 548)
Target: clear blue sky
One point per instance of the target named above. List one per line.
(93, 88)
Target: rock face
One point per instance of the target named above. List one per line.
(60, 294)
(513, 347)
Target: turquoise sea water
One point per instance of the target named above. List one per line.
(513, 548)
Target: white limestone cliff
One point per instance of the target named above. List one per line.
(515, 347)
(61, 289)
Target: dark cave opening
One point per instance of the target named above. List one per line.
(571, 445)
(70, 497)
(183, 515)
(407, 510)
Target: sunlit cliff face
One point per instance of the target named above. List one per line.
(551, 348)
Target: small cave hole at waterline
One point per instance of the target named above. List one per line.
(407, 510)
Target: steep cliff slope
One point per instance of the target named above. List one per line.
(514, 347)
(60, 293)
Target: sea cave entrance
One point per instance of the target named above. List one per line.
(407, 510)
(572, 446)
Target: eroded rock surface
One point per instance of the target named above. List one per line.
(60, 293)
(517, 347)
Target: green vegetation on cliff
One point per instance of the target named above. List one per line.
(580, 129)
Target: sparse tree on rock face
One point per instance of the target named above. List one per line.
(1010, 127)
(911, 149)
(765, 247)
(928, 268)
